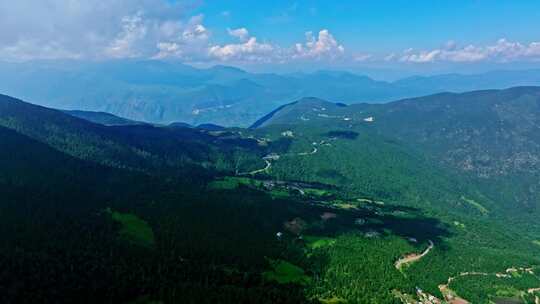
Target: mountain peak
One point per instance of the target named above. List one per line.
(294, 112)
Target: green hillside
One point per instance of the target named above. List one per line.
(139, 147)
(318, 203)
(103, 118)
(487, 138)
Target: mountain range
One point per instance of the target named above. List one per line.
(431, 198)
(166, 92)
(490, 135)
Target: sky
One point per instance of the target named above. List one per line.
(419, 35)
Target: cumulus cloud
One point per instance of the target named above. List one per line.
(502, 51)
(184, 41)
(322, 46)
(363, 57)
(133, 30)
(96, 29)
(52, 29)
(240, 33)
(250, 50)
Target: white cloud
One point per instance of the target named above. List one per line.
(184, 41)
(133, 30)
(390, 57)
(97, 29)
(363, 57)
(240, 33)
(54, 29)
(502, 51)
(323, 46)
(250, 50)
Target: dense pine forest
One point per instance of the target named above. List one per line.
(317, 203)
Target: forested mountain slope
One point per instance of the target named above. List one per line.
(488, 137)
(102, 118)
(139, 147)
(75, 231)
(322, 203)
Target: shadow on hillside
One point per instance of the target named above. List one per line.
(373, 221)
(342, 134)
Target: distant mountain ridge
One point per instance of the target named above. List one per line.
(139, 147)
(167, 92)
(103, 118)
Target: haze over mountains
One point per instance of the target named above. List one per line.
(164, 92)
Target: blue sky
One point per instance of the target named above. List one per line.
(429, 36)
(382, 26)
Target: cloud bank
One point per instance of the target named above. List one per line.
(502, 51)
(160, 29)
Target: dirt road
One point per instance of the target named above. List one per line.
(411, 258)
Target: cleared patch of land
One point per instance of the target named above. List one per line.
(230, 183)
(284, 272)
(315, 242)
(133, 229)
(476, 205)
(411, 258)
(333, 300)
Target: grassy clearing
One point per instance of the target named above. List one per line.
(133, 229)
(476, 205)
(343, 205)
(459, 225)
(507, 292)
(284, 272)
(316, 242)
(230, 183)
(369, 201)
(278, 193)
(333, 300)
(317, 192)
(145, 300)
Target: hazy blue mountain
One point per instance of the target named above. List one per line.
(102, 118)
(464, 83)
(166, 92)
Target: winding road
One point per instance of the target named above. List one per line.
(411, 258)
(315, 150)
(276, 157)
(452, 298)
(265, 169)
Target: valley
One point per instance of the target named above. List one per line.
(166, 92)
(300, 208)
(269, 152)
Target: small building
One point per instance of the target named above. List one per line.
(412, 240)
(360, 221)
(271, 156)
(287, 133)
